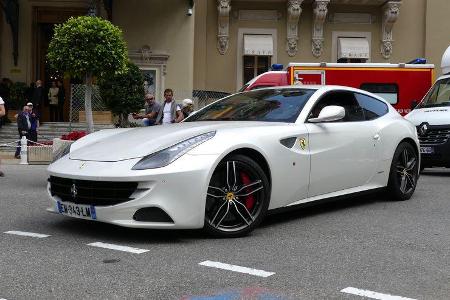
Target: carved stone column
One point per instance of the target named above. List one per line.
(320, 13)
(223, 20)
(294, 11)
(391, 11)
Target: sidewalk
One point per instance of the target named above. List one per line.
(7, 158)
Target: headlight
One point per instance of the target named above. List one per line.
(62, 152)
(169, 155)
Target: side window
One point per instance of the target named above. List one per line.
(372, 107)
(353, 111)
(387, 91)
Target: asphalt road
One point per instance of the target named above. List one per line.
(392, 248)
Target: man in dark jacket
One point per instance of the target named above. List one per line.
(23, 126)
(38, 96)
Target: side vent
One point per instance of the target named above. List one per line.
(288, 142)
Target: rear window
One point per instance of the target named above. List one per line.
(387, 91)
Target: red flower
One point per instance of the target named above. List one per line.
(74, 135)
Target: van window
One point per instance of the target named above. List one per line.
(387, 91)
(439, 95)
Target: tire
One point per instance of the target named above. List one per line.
(404, 172)
(238, 197)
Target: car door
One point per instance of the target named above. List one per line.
(342, 152)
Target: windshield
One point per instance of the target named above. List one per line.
(439, 95)
(271, 105)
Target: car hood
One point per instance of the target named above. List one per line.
(432, 115)
(123, 144)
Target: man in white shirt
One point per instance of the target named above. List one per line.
(169, 112)
(2, 113)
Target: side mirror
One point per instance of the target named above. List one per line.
(329, 114)
(413, 104)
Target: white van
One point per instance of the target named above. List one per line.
(432, 118)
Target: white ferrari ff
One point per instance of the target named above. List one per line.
(225, 166)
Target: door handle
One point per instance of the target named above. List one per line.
(376, 137)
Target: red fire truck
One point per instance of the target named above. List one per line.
(400, 84)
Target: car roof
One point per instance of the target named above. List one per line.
(324, 88)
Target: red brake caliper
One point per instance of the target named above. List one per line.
(250, 199)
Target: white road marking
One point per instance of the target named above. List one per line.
(219, 265)
(30, 234)
(118, 247)
(373, 295)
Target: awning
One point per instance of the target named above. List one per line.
(353, 48)
(258, 44)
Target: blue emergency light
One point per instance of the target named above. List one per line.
(277, 67)
(418, 61)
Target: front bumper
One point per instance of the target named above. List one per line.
(437, 139)
(178, 189)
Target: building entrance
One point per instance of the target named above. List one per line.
(45, 20)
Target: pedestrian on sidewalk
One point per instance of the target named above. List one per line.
(38, 96)
(2, 113)
(170, 111)
(53, 102)
(34, 120)
(23, 126)
(151, 111)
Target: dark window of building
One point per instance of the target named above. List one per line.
(255, 65)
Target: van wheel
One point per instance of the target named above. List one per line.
(404, 172)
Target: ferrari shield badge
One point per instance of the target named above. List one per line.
(303, 143)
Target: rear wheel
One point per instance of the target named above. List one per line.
(237, 198)
(404, 172)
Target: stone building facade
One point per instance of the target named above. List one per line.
(216, 45)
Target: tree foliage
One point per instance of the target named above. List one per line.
(87, 45)
(123, 93)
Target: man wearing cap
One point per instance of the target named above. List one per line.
(2, 113)
(187, 107)
(34, 120)
(151, 110)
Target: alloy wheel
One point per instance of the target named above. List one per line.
(236, 197)
(406, 171)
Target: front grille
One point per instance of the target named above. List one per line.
(435, 136)
(97, 193)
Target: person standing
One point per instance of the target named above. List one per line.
(23, 126)
(38, 96)
(61, 99)
(169, 112)
(187, 107)
(34, 120)
(2, 113)
(151, 111)
(53, 101)
(5, 93)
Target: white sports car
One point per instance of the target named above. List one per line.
(225, 166)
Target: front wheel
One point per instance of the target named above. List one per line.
(238, 197)
(404, 172)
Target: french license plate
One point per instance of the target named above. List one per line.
(77, 210)
(427, 150)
